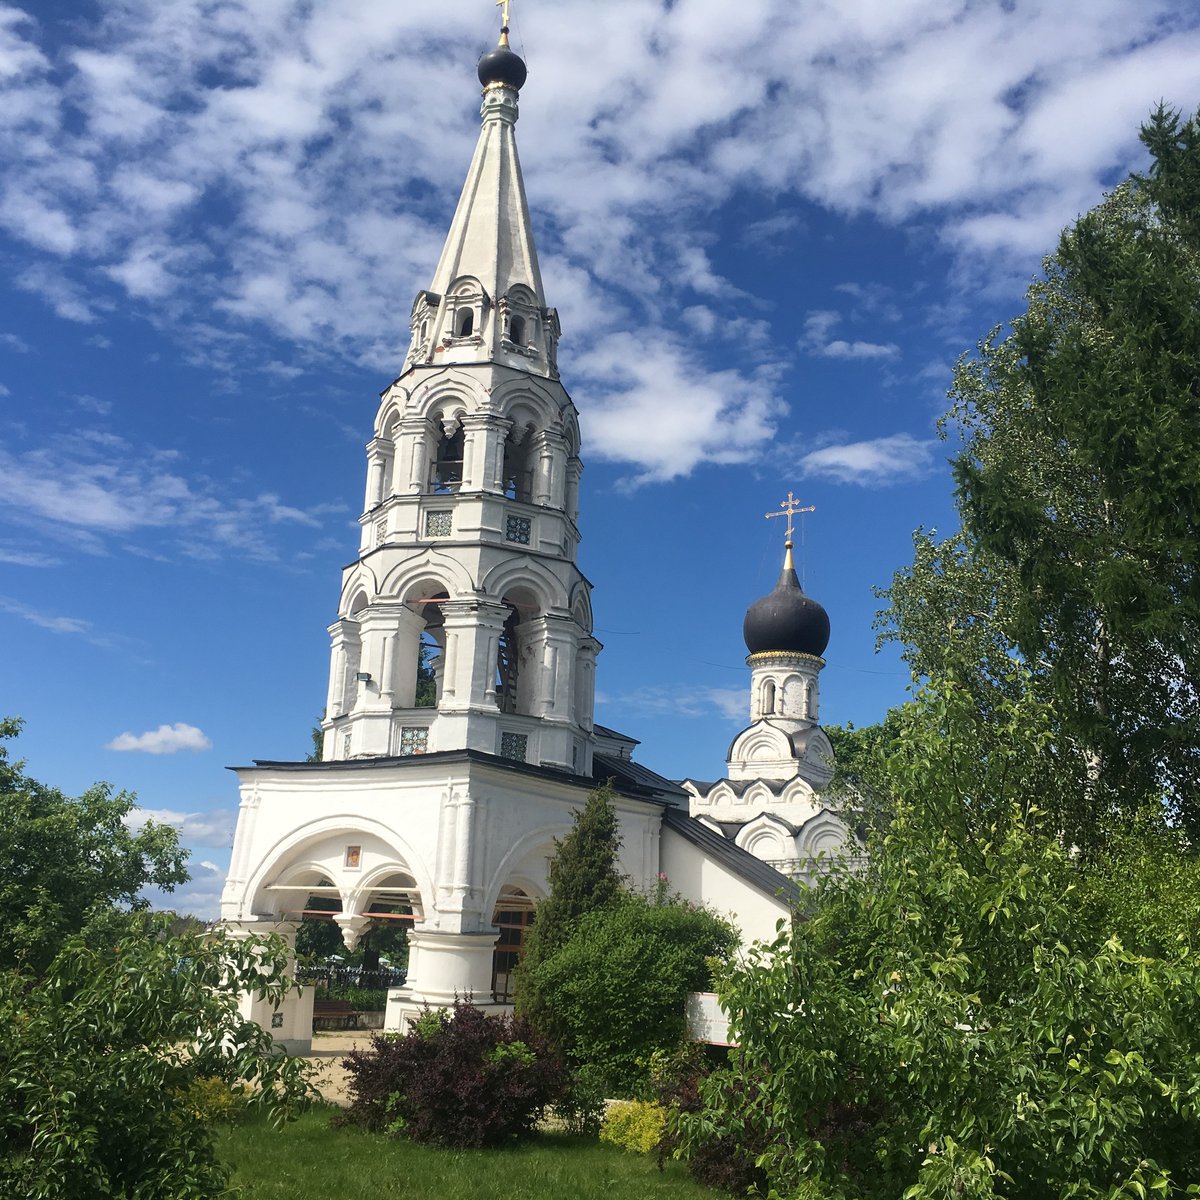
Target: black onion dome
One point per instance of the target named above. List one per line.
(786, 621)
(502, 66)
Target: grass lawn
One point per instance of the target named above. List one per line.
(307, 1160)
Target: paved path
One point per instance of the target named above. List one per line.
(328, 1050)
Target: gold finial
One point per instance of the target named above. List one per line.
(790, 507)
(502, 5)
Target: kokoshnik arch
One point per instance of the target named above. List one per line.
(459, 735)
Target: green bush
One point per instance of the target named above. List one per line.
(211, 1100)
(635, 1125)
(115, 1062)
(616, 988)
(363, 999)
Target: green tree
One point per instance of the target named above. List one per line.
(101, 1054)
(1079, 495)
(954, 1020)
(583, 878)
(67, 864)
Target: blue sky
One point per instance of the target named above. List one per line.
(769, 230)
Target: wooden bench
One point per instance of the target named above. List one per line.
(334, 1014)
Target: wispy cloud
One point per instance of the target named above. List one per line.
(681, 701)
(166, 739)
(212, 828)
(876, 462)
(817, 339)
(103, 486)
(43, 620)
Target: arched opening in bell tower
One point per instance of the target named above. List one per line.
(519, 464)
(508, 662)
(448, 460)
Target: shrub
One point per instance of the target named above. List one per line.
(462, 1078)
(635, 1125)
(617, 986)
(212, 1100)
(100, 1058)
(720, 1152)
(580, 1108)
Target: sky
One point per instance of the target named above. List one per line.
(770, 231)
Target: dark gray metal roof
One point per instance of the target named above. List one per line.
(627, 774)
(741, 862)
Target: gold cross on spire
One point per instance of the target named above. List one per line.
(502, 5)
(790, 507)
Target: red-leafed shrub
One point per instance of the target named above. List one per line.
(460, 1078)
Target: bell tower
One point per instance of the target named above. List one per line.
(464, 622)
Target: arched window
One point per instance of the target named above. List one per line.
(768, 698)
(516, 331)
(448, 466)
(466, 322)
(424, 331)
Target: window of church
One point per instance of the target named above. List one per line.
(518, 529)
(516, 331)
(768, 704)
(438, 524)
(466, 323)
(414, 741)
(514, 746)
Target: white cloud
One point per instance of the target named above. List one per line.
(18, 557)
(103, 486)
(819, 325)
(55, 624)
(990, 126)
(680, 700)
(872, 463)
(166, 739)
(214, 828)
(199, 897)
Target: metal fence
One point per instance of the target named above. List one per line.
(385, 977)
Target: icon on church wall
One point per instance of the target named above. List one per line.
(277, 1020)
(353, 858)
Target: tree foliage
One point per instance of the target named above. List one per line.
(1078, 488)
(954, 1020)
(616, 988)
(69, 863)
(101, 1053)
(583, 877)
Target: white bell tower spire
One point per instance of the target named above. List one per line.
(465, 623)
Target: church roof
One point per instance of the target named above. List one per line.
(740, 862)
(626, 774)
(491, 236)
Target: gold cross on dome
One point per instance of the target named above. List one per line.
(502, 5)
(790, 507)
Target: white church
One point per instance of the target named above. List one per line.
(459, 736)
